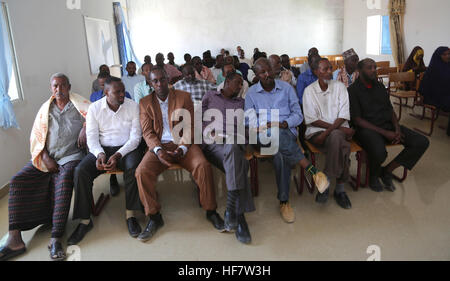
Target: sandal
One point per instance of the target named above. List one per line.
(7, 253)
(57, 252)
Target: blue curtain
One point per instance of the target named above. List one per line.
(126, 51)
(7, 116)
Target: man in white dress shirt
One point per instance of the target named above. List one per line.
(113, 136)
(132, 78)
(326, 109)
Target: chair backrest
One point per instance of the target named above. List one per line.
(402, 77)
(383, 64)
(300, 60)
(386, 70)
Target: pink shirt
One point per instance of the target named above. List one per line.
(206, 74)
(172, 71)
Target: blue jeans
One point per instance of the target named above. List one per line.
(289, 154)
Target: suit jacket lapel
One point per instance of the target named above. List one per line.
(158, 113)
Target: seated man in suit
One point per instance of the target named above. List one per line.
(165, 148)
(327, 112)
(226, 150)
(113, 136)
(377, 125)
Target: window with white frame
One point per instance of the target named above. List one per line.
(378, 35)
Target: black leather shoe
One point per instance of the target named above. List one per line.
(79, 233)
(376, 185)
(216, 220)
(322, 198)
(153, 225)
(114, 187)
(342, 200)
(386, 177)
(242, 232)
(230, 220)
(133, 227)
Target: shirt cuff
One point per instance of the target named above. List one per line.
(96, 152)
(156, 149)
(184, 148)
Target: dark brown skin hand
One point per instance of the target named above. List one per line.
(49, 162)
(283, 125)
(321, 138)
(111, 165)
(177, 154)
(348, 132)
(101, 162)
(165, 158)
(82, 140)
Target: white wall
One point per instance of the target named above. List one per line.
(426, 24)
(49, 38)
(194, 26)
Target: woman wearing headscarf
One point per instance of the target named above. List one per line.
(415, 61)
(435, 87)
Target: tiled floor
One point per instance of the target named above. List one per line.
(411, 224)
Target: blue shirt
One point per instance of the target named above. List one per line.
(282, 97)
(220, 79)
(99, 95)
(304, 80)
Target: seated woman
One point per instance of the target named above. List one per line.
(435, 87)
(415, 61)
(415, 64)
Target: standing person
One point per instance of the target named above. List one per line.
(113, 136)
(377, 125)
(42, 191)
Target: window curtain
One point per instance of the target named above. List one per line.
(7, 116)
(126, 50)
(396, 14)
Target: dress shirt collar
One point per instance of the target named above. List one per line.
(260, 89)
(105, 105)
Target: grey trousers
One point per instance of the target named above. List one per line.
(230, 159)
(337, 151)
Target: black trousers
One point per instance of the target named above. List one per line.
(375, 145)
(86, 172)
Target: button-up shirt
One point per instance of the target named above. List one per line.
(327, 106)
(130, 82)
(303, 81)
(282, 97)
(206, 74)
(141, 90)
(166, 135)
(215, 100)
(216, 71)
(197, 88)
(64, 127)
(371, 103)
(106, 128)
(220, 79)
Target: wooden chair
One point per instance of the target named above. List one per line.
(384, 72)
(299, 182)
(397, 78)
(419, 102)
(300, 60)
(383, 64)
(354, 148)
